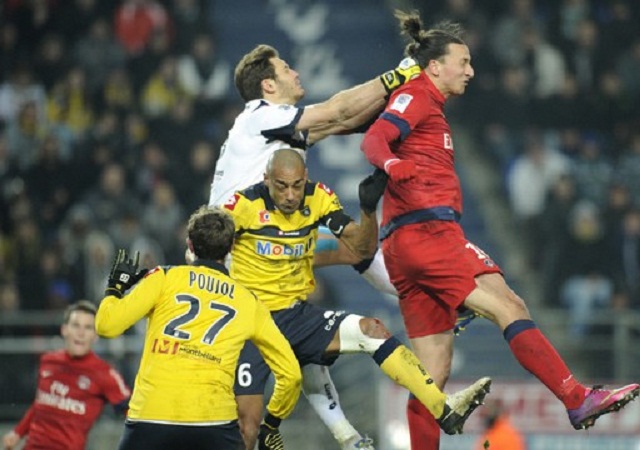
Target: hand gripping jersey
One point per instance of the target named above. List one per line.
(261, 129)
(273, 252)
(198, 321)
(70, 396)
(416, 109)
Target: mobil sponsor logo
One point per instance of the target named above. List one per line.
(268, 248)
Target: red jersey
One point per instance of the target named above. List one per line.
(70, 396)
(416, 110)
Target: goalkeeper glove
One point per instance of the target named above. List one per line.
(406, 70)
(371, 189)
(124, 274)
(269, 437)
(400, 170)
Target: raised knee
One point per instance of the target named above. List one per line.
(374, 328)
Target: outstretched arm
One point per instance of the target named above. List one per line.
(362, 238)
(13, 437)
(351, 108)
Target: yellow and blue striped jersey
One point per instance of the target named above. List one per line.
(198, 321)
(273, 252)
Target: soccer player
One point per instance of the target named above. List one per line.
(73, 386)
(198, 321)
(433, 266)
(270, 121)
(277, 224)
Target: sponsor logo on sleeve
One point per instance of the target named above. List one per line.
(325, 188)
(232, 202)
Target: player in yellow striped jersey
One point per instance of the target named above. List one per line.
(277, 224)
(198, 321)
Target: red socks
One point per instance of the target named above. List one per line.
(536, 354)
(423, 428)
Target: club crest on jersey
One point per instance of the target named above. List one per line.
(84, 382)
(401, 102)
(306, 212)
(325, 188)
(264, 216)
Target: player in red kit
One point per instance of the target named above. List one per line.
(434, 268)
(73, 386)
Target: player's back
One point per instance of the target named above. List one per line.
(195, 333)
(261, 129)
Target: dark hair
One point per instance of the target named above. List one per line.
(428, 44)
(211, 232)
(80, 305)
(254, 67)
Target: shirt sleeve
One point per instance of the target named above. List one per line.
(332, 215)
(115, 389)
(279, 356)
(23, 426)
(116, 315)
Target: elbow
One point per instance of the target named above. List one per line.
(104, 328)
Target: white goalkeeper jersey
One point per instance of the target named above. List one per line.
(261, 129)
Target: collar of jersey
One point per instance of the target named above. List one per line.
(212, 265)
(433, 90)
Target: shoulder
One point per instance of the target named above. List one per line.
(56, 355)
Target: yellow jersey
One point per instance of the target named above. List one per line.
(273, 252)
(198, 321)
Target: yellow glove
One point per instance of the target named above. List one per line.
(406, 70)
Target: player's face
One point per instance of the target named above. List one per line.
(454, 70)
(79, 333)
(286, 188)
(288, 86)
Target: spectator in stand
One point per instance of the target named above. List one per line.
(627, 260)
(528, 183)
(70, 106)
(628, 168)
(98, 53)
(163, 214)
(592, 169)
(585, 56)
(586, 268)
(628, 67)
(20, 90)
(162, 91)
(111, 199)
(136, 21)
(51, 61)
(555, 232)
(499, 432)
(74, 384)
(203, 75)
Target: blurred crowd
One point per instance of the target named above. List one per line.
(111, 117)
(112, 114)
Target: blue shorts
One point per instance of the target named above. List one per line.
(157, 436)
(308, 328)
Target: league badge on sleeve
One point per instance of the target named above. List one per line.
(401, 102)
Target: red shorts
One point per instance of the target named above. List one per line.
(433, 267)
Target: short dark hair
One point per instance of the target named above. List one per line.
(211, 231)
(80, 305)
(254, 67)
(431, 44)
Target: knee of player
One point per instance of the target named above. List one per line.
(374, 328)
(362, 334)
